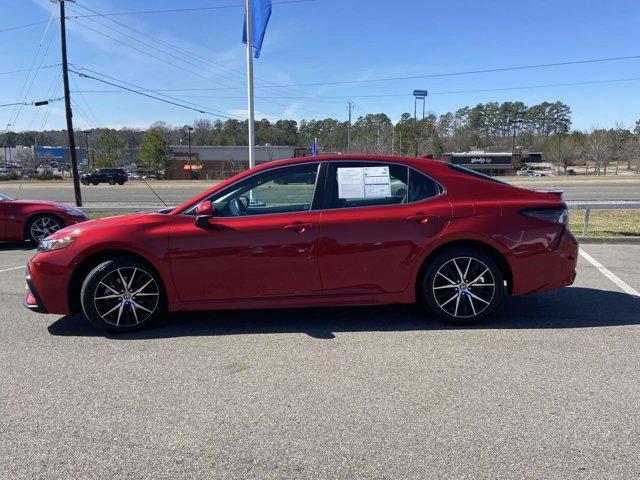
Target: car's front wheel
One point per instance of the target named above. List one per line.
(463, 286)
(122, 295)
(42, 226)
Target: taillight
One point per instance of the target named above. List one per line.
(554, 215)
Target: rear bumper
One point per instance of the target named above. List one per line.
(547, 270)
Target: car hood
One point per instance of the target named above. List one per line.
(105, 223)
(46, 203)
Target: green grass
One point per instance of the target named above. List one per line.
(607, 223)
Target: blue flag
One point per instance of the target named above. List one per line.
(314, 147)
(261, 10)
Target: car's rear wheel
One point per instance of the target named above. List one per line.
(122, 295)
(42, 226)
(94, 183)
(463, 286)
(121, 182)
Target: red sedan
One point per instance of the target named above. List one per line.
(34, 219)
(318, 231)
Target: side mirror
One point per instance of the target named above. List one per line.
(204, 212)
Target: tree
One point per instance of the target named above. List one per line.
(27, 160)
(562, 150)
(155, 152)
(597, 149)
(109, 151)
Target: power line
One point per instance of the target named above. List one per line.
(179, 58)
(8, 72)
(182, 69)
(405, 94)
(183, 10)
(26, 80)
(33, 102)
(84, 75)
(149, 90)
(8, 29)
(200, 59)
(450, 74)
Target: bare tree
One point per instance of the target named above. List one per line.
(28, 161)
(562, 150)
(597, 149)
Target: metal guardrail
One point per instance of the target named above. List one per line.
(586, 206)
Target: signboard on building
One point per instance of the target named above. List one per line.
(482, 159)
(50, 153)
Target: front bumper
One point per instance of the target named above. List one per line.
(47, 283)
(32, 300)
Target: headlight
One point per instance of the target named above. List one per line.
(74, 212)
(56, 244)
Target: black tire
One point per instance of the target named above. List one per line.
(112, 181)
(121, 182)
(45, 223)
(125, 312)
(462, 301)
(94, 183)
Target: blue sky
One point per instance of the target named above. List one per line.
(327, 41)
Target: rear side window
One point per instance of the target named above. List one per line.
(421, 187)
(365, 184)
(473, 173)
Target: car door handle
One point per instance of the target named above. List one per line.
(422, 217)
(299, 226)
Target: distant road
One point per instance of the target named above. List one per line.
(174, 192)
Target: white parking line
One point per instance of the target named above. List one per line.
(609, 275)
(12, 268)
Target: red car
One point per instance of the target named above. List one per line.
(369, 230)
(34, 219)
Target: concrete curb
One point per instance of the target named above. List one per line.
(622, 240)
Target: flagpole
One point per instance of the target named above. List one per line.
(249, 6)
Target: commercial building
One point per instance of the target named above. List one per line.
(493, 162)
(222, 162)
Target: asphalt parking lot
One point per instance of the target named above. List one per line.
(550, 388)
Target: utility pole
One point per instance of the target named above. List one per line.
(67, 104)
(350, 107)
(86, 142)
(189, 129)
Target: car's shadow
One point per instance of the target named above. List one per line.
(17, 246)
(566, 308)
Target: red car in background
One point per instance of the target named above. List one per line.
(34, 219)
(367, 230)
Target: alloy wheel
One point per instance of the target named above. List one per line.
(463, 287)
(43, 227)
(126, 297)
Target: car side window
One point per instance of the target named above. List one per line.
(282, 190)
(421, 187)
(363, 184)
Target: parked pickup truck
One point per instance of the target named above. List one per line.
(105, 175)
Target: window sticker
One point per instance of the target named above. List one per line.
(364, 182)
